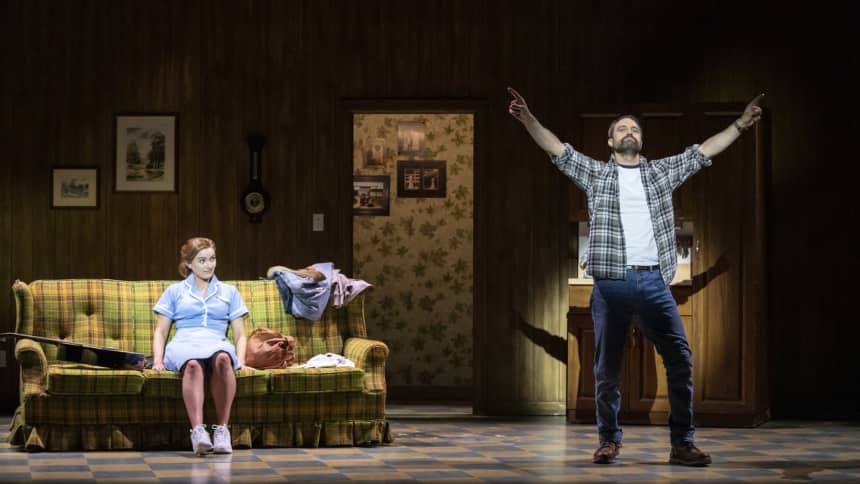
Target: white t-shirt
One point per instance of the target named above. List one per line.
(636, 218)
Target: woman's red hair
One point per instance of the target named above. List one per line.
(189, 250)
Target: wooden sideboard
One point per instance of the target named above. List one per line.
(643, 382)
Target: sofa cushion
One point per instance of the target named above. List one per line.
(167, 383)
(317, 380)
(81, 379)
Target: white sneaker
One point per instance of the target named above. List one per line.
(200, 441)
(222, 439)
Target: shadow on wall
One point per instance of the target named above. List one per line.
(555, 346)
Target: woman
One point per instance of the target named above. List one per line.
(201, 306)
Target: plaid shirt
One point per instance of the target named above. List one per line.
(606, 251)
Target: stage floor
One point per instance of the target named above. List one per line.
(447, 443)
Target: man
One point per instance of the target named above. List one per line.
(632, 258)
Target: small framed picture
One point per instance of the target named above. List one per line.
(421, 179)
(410, 138)
(145, 151)
(371, 195)
(75, 187)
(374, 153)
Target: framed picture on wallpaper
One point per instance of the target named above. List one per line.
(374, 153)
(145, 152)
(410, 138)
(371, 195)
(75, 187)
(421, 179)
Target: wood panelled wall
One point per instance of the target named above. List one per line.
(285, 68)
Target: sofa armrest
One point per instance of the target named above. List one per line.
(34, 366)
(369, 355)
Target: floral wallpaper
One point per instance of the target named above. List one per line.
(419, 258)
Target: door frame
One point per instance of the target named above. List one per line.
(465, 105)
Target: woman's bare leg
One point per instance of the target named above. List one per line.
(192, 391)
(223, 387)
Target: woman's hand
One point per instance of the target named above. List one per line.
(159, 335)
(238, 326)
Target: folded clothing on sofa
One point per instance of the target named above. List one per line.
(327, 360)
(305, 293)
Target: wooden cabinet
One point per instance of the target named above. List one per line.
(724, 307)
(643, 380)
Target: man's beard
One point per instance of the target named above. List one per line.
(628, 146)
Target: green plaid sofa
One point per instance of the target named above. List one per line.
(73, 406)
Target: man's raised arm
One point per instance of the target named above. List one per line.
(720, 141)
(542, 136)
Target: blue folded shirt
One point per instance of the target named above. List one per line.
(303, 297)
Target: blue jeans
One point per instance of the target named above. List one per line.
(613, 303)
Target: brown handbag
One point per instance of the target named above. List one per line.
(269, 349)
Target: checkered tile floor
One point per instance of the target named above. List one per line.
(443, 443)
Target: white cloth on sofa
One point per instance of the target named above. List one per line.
(328, 360)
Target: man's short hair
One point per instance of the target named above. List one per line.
(619, 118)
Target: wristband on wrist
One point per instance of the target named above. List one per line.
(738, 126)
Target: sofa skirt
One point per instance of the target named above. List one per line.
(58, 437)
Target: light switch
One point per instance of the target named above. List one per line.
(319, 222)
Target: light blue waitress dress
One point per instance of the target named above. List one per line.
(201, 321)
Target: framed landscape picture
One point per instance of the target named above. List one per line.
(75, 187)
(145, 152)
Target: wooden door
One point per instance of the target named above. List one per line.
(580, 379)
(729, 294)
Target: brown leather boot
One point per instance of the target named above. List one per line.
(688, 455)
(606, 453)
